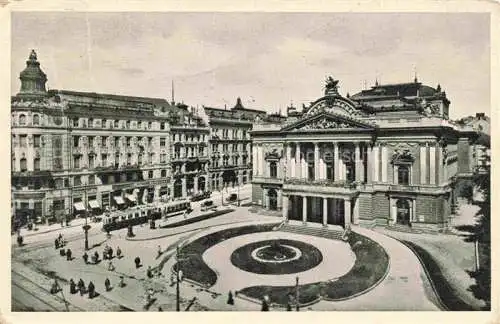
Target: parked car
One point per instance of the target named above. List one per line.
(232, 198)
(201, 196)
(208, 205)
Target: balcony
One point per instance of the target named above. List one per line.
(267, 180)
(403, 188)
(320, 186)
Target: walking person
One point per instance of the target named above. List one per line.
(149, 272)
(91, 290)
(68, 255)
(118, 253)
(159, 251)
(110, 253)
(107, 284)
(121, 284)
(96, 257)
(85, 258)
(111, 267)
(137, 261)
(230, 299)
(72, 286)
(81, 287)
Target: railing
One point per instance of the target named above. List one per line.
(404, 188)
(322, 182)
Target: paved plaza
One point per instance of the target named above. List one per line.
(405, 276)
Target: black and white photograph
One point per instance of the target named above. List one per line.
(179, 161)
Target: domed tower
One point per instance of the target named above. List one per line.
(32, 79)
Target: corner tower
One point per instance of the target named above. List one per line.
(33, 79)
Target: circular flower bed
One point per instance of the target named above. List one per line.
(276, 257)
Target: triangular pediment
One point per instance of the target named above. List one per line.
(325, 120)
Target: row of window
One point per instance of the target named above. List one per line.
(188, 138)
(141, 159)
(115, 140)
(235, 133)
(61, 183)
(23, 120)
(189, 152)
(225, 147)
(23, 140)
(104, 123)
(225, 161)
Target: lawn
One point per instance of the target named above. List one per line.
(369, 269)
(309, 258)
(194, 268)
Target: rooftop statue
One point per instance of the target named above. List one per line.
(33, 55)
(331, 83)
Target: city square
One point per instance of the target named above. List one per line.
(355, 199)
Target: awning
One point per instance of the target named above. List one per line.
(119, 200)
(94, 204)
(131, 198)
(79, 206)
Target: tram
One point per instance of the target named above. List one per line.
(142, 214)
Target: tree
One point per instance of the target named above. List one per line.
(481, 231)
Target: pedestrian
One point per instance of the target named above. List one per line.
(85, 257)
(121, 284)
(118, 253)
(72, 286)
(159, 252)
(55, 287)
(91, 290)
(230, 299)
(56, 243)
(96, 257)
(137, 261)
(68, 255)
(265, 304)
(107, 284)
(20, 240)
(62, 252)
(288, 307)
(110, 253)
(105, 254)
(149, 272)
(111, 267)
(81, 287)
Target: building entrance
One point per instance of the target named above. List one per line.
(403, 212)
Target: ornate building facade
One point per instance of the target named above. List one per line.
(73, 151)
(190, 157)
(385, 156)
(230, 144)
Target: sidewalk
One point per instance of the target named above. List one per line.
(42, 228)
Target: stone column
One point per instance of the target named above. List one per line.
(376, 163)
(325, 211)
(393, 211)
(303, 166)
(355, 216)
(195, 188)
(184, 190)
(423, 164)
(284, 210)
(297, 160)
(369, 163)
(288, 163)
(384, 163)
(261, 159)
(432, 164)
(347, 213)
(414, 211)
(316, 161)
(357, 157)
(335, 162)
(254, 160)
(304, 209)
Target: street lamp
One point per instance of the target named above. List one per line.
(297, 294)
(179, 258)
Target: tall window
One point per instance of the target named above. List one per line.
(76, 162)
(91, 179)
(36, 140)
(76, 141)
(23, 164)
(91, 141)
(162, 126)
(129, 159)
(116, 123)
(163, 173)
(36, 120)
(103, 123)
(91, 161)
(163, 158)
(77, 181)
(22, 120)
(162, 141)
(103, 141)
(273, 169)
(104, 159)
(91, 122)
(150, 174)
(76, 122)
(127, 124)
(403, 175)
(23, 140)
(36, 164)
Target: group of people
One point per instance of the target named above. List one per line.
(90, 289)
(59, 242)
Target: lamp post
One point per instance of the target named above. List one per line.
(86, 226)
(177, 289)
(297, 307)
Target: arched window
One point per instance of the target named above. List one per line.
(22, 120)
(23, 165)
(36, 120)
(273, 169)
(403, 175)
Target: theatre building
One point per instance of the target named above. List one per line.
(76, 151)
(386, 156)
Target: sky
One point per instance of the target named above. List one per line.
(270, 60)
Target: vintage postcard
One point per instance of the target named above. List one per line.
(175, 159)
